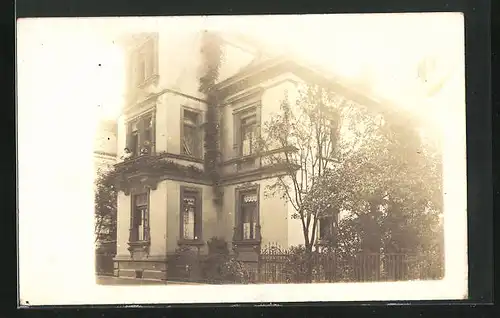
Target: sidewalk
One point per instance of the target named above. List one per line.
(111, 280)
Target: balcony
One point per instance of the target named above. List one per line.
(158, 165)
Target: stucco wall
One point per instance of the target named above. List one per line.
(123, 224)
(180, 63)
(158, 222)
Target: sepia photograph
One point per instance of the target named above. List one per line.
(258, 152)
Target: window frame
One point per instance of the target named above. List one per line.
(239, 117)
(197, 152)
(134, 238)
(141, 121)
(333, 224)
(239, 222)
(198, 217)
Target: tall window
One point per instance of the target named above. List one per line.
(140, 218)
(190, 214)
(327, 225)
(191, 134)
(140, 139)
(248, 128)
(145, 62)
(325, 228)
(249, 215)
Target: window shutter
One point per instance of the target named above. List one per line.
(153, 131)
(128, 137)
(181, 213)
(237, 216)
(199, 135)
(141, 127)
(237, 134)
(198, 217)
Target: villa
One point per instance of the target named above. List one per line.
(160, 210)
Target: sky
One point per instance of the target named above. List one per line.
(380, 48)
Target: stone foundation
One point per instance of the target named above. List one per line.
(141, 269)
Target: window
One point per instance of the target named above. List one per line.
(190, 215)
(249, 215)
(140, 138)
(248, 128)
(190, 134)
(145, 63)
(327, 226)
(140, 218)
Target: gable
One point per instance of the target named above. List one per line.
(235, 58)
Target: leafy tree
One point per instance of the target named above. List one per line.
(391, 189)
(308, 133)
(372, 167)
(105, 208)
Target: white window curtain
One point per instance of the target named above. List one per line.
(189, 218)
(249, 216)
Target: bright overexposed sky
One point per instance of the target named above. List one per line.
(383, 47)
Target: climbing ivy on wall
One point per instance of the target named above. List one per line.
(212, 55)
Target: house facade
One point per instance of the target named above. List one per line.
(162, 209)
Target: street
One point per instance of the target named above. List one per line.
(111, 280)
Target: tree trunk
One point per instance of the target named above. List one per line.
(309, 264)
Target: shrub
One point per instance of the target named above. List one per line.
(296, 265)
(220, 266)
(185, 265)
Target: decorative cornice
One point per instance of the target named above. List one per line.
(276, 66)
(147, 171)
(154, 96)
(255, 92)
(247, 186)
(137, 182)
